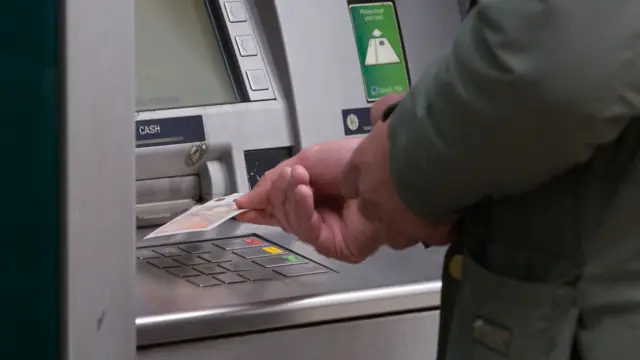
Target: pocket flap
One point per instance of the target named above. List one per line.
(503, 318)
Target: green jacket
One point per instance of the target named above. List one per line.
(527, 130)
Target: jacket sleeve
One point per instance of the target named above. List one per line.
(529, 89)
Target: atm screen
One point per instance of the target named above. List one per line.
(179, 60)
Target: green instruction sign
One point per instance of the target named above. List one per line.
(380, 49)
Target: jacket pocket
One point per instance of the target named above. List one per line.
(503, 318)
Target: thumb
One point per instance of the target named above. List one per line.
(380, 106)
(258, 197)
(349, 181)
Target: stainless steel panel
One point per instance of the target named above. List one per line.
(171, 309)
(405, 337)
(99, 181)
(311, 57)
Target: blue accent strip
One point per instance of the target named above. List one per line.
(169, 131)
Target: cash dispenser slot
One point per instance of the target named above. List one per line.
(160, 200)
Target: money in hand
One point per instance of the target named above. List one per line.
(201, 218)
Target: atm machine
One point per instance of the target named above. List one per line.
(227, 89)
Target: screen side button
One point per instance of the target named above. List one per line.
(236, 11)
(246, 45)
(258, 80)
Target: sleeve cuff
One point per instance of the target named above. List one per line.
(406, 166)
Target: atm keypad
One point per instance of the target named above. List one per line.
(237, 266)
(197, 248)
(169, 251)
(261, 251)
(183, 272)
(164, 263)
(281, 260)
(258, 275)
(299, 270)
(204, 281)
(216, 256)
(209, 269)
(190, 260)
(229, 261)
(147, 254)
(239, 243)
(230, 278)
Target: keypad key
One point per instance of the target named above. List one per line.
(144, 254)
(258, 275)
(258, 252)
(199, 248)
(163, 263)
(299, 270)
(217, 256)
(230, 278)
(239, 243)
(190, 260)
(209, 269)
(169, 251)
(183, 272)
(204, 281)
(281, 260)
(237, 265)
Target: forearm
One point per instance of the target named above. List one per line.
(518, 100)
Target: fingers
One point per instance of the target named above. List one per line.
(349, 181)
(369, 210)
(308, 223)
(278, 197)
(300, 206)
(258, 197)
(258, 217)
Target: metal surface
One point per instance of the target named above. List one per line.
(404, 337)
(313, 69)
(170, 309)
(315, 52)
(99, 192)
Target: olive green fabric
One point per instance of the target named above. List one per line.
(528, 131)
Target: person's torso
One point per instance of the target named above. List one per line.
(531, 276)
(553, 273)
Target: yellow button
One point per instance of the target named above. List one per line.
(272, 250)
(455, 267)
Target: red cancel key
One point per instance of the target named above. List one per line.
(253, 241)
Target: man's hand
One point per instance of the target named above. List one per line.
(366, 179)
(302, 196)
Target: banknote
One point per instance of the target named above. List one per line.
(201, 218)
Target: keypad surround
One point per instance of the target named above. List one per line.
(230, 261)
